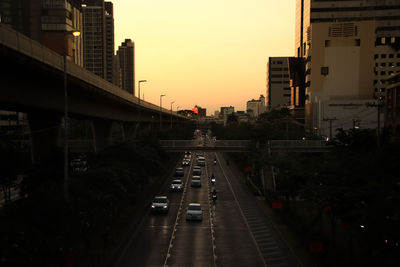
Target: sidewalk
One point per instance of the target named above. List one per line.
(299, 248)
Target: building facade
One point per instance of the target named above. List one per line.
(392, 116)
(126, 56)
(49, 22)
(110, 46)
(348, 48)
(256, 107)
(278, 83)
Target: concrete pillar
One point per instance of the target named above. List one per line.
(131, 130)
(45, 135)
(101, 134)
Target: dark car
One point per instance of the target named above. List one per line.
(179, 171)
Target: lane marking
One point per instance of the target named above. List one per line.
(177, 215)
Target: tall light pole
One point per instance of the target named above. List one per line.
(66, 167)
(139, 82)
(161, 96)
(171, 112)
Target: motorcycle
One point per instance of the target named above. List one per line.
(214, 197)
(212, 180)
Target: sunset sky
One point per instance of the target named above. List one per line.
(209, 53)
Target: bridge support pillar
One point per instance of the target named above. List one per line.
(131, 130)
(45, 132)
(102, 130)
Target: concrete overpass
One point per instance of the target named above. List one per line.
(32, 81)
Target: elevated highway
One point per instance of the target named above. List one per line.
(35, 80)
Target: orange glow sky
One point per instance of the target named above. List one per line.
(209, 53)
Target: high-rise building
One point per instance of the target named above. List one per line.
(47, 22)
(94, 37)
(348, 48)
(126, 56)
(278, 87)
(98, 37)
(109, 17)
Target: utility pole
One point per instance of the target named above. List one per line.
(378, 105)
(330, 125)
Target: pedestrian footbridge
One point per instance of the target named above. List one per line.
(245, 145)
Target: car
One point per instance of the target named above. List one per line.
(196, 181)
(179, 171)
(197, 170)
(186, 162)
(194, 212)
(177, 185)
(160, 204)
(201, 161)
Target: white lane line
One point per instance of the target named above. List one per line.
(241, 212)
(177, 217)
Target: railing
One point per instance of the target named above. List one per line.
(26, 46)
(297, 143)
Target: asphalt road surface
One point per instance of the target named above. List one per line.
(235, 231)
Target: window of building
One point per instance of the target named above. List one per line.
(327, 43)
(287, 88)
(391, 55)
(376, 56)
(286, 95)
(398, 64)
(375, 81)
(398, 55)
(391, 64)
(357, 42)
(383, 72)
(376, 64)
(287, 82)
(276, 82)
(383, 64)
(324, 71)
(383, 55)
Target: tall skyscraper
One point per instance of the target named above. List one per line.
(109, 17)
(94, 37)
(348, 49)
(126, 55)
(278, 87)
(47, 22)
(98, 37)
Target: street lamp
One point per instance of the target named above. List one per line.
(139, 82)
(160, 111)
(66, 167)
(171, 112)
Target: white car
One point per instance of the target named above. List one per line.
(194, 212)
(177, 185)
(196, 181)
(160, 204)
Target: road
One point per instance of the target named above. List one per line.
(235, 231)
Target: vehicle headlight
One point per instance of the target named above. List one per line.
(152, 206)
(165, 207)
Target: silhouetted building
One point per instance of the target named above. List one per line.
(126, 56)
(392, 118)
(109, 22)
(47, 22)
(278, 87)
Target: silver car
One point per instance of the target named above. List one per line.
(160, 204)
(194, 212)
(196, 181)
(196, 170)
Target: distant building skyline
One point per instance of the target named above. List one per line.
(126, 56)
(278, 83)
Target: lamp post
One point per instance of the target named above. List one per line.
(161, 96)
(139, 82)
(66, 167)
(171, 112)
